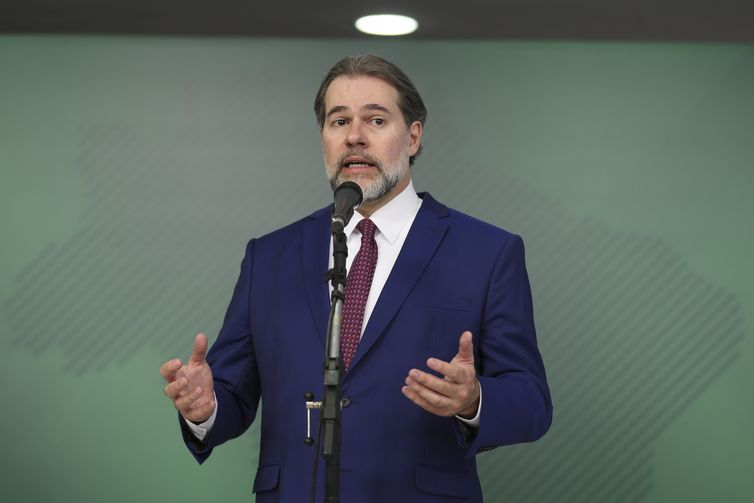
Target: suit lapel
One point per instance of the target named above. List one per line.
(315, 245)
(422, 241)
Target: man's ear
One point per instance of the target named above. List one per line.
(415, 131)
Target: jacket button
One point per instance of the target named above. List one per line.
(345, 402)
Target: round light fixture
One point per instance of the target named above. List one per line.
(386, 24)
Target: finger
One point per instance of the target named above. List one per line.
(457, 392)
(204, 400)
(176, 388)
(421, 402)
(200, 349)
(183, 403)
(436, 400)
(441, 386)
(455, 373)
(466, 347)
(414, 397)
(169, 368)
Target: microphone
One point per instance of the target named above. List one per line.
(347, 197)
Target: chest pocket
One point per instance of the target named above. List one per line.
(447, 302)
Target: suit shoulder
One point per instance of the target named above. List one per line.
(285, 234)
(480, 228)
(464, 224)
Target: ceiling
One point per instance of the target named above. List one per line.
(632, 20)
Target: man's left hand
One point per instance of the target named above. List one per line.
(455, 394)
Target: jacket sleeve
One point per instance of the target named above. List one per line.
(234, 370)
(517, 406)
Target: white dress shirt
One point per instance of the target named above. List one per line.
(393, 221)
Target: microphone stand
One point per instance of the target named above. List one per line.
(329, 408)
(330, 412)
(347, 195)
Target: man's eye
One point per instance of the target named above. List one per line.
(339, 122)
(378, 121)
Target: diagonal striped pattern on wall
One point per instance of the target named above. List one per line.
(630, 333)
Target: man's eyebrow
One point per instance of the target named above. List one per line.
(376, 106)
(369, 106)
(337, 109)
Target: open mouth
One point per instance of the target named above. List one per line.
(357, 162)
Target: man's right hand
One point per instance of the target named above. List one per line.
(190, 386)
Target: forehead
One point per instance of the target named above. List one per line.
(356, 92)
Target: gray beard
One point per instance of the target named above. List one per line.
(372, 189)
(375, 189)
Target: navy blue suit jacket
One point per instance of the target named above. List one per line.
(454, 273)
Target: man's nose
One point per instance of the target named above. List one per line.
(356, 135)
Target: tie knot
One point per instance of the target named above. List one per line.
(367, 229)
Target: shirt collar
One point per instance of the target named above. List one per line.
(391, 218)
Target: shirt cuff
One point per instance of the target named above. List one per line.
(200, 430)
(474, 421)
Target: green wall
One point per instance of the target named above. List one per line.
(133, 170)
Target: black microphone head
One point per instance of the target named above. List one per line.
(347, 196)
(350, 191)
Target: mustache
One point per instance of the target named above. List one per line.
(359, 153)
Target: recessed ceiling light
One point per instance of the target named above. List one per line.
(386, 24)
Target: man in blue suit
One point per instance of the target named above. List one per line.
(446, 365)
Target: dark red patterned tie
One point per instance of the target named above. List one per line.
(358, 283)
